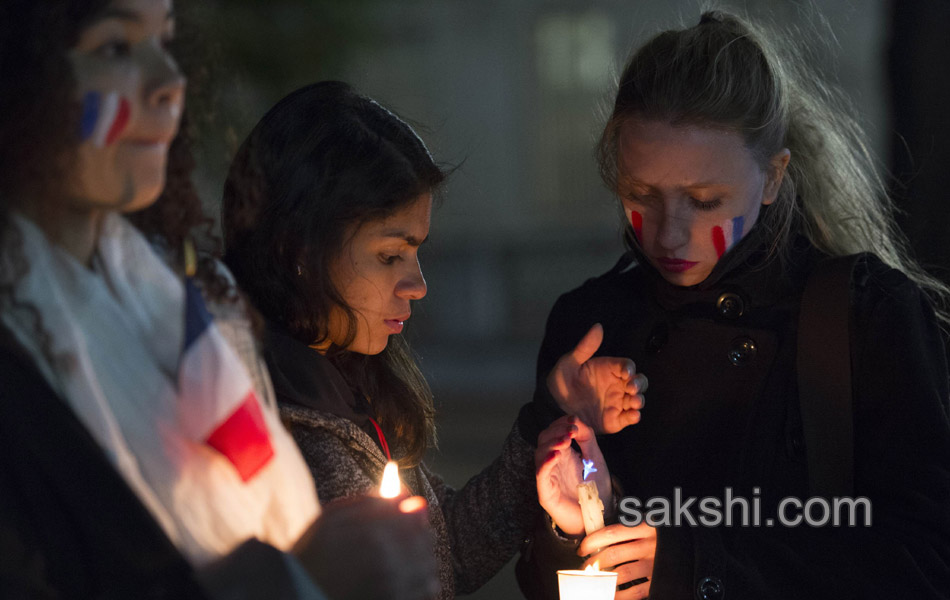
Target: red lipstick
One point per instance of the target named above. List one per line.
(675, 265)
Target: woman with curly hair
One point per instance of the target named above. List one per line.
(142, 454)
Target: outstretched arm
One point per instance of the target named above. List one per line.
(605, 392)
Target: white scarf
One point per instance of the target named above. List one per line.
(177, 417)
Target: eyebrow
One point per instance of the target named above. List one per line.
(402, 235)
(692, 186)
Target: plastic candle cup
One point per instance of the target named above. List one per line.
(589, 584)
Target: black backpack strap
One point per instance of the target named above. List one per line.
(824, 377)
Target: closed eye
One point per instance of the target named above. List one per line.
(706, 204)
(114, 49)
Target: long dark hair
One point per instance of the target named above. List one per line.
(728, 72)
(39, 135)
(322, 160)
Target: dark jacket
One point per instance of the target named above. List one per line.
(722, 412)
(478, 528)
(70, 527)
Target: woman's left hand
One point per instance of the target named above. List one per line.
(627, 550)
(606, 392)
(559, 470)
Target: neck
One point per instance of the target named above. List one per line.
(74, 230)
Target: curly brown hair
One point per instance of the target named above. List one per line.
(39, 134)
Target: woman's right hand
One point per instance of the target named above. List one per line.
(605, 392)
(366, 547)
(559, 470)
(627, 550)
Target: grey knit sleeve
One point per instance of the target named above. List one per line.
(489, 517)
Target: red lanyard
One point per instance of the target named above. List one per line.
(382, 438)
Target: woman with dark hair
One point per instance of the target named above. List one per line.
(325, 207)
(760, 238)
(142, 453)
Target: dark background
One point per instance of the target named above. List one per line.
(513, 93)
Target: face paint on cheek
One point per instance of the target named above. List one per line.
(727, 235)
(104, 118)
(636, 221)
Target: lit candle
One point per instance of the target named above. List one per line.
(592, 508)
(589, 584)
(390, 487)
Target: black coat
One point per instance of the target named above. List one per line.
(722, 411)
(70, 526)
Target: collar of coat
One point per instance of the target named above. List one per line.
(304, 377)
(751, 270)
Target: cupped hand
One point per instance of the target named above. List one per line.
(559, 470)
(605, 392)
(627, 550)
(367, 547)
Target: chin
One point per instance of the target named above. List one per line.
(684, 279)
(143, 195)
(369, 348)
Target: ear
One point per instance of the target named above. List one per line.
(776, 172)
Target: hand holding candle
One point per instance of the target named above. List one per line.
(560, 472)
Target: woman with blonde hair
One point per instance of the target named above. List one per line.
(792, 346)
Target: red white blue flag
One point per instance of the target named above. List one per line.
(232, 423)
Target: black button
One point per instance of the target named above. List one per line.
(657, 339)
(710, 588)
(730, 305)
(741, 351)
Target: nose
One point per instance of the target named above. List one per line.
(165, 83)
(413, 285)
(673, 229)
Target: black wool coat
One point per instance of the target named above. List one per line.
(722, 411)
(70, 526)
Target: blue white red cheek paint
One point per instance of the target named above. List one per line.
(104, 118)
(636, 221)
(727, 235)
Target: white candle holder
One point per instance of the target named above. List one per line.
(586, 585)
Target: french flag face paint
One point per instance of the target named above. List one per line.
(104, 118)
(636, 221)
(218, 403)
(727, 235)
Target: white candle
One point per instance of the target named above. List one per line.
(390, 487)
(592, 509)
(589, 584)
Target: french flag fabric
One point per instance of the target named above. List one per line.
(218, 402)
(727, 235)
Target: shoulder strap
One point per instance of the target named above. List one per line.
(824, 377)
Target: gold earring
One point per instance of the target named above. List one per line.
(190, 257)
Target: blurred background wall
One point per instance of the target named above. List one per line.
(513, 92)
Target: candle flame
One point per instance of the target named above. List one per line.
(594, 568)
(588, 467)
(390, 486)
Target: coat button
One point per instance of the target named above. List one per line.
(657, 340)
(741, 351)
(710, 588)
(730, 305)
